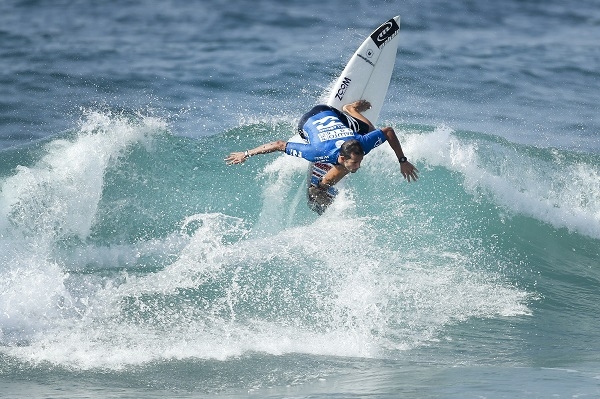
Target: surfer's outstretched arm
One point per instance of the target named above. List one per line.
(240, 157)
(355, 110)
(409, 172)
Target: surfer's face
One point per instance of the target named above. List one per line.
(352, 164)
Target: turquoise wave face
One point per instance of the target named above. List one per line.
(123, 244)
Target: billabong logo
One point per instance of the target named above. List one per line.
(326, 123)
(385, 32)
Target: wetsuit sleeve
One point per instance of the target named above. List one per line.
(371, 140)
(300, 150)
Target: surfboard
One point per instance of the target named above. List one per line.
(366, 76)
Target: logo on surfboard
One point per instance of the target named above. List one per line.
(343, 87)
(385, 32)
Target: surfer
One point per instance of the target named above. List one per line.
(338, 138)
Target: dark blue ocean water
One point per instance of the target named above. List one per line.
(135, 263)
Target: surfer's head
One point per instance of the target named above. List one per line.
(351, 155)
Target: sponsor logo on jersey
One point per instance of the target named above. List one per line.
(322, 158)
(385, 32)
(327, 122)
(336, 134)
(330, 128)
(296, 153)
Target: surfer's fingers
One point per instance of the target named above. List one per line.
(362, 105)
(365, 103)
(413, 173)
(410, 176)
(234, 158)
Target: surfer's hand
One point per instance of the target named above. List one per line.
(408, 171)
(358, 106)
(236, 158)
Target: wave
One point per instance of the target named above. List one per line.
(124, 244)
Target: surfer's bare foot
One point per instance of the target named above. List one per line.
(358, 106)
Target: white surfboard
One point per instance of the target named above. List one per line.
(366, 77)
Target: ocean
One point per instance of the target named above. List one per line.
(134, 263)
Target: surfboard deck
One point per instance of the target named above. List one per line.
(366, 76)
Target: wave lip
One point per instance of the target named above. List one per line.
(555, 187)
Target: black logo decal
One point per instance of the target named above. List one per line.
(343, 87)
(385, 32)
(366, 59)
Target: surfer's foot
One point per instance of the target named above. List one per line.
(358, 106)
(319, 196)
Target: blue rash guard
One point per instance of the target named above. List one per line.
(326, 129)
